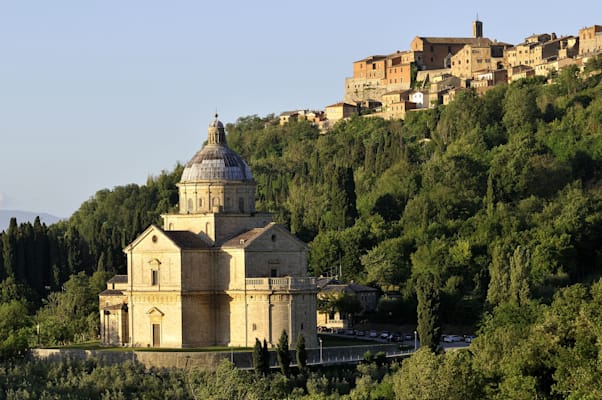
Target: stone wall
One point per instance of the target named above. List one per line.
(192, 359)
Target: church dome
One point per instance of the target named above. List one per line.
(216, 161)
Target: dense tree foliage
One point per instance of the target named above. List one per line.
(60, 269)
(494, 201)
(496, 196)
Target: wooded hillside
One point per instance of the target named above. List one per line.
(491, 204)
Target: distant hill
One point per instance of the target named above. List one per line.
(24, 216)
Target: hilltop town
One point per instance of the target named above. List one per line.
(435, 69)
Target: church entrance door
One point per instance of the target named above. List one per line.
(156, 335)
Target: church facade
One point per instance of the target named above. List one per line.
(216, 273)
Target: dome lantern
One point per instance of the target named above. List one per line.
(216, 133)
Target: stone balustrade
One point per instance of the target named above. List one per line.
(283, 283)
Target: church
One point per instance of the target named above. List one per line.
(217, 273)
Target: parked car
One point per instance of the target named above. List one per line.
(373, 334)
(452, 338)
(384, 334)
(349, 332)
(408, 336)
(394, 337)
(469, 338)
(360, 333)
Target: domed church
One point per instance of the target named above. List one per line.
(217, 272)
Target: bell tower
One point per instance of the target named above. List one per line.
(477, 28)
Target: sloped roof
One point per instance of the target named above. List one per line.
(323, 281)
(187, 240)
(333, 285)
(244, 238)
(341, 104)
(376, 57)
(361, 288)
(456, 40)
(118, 279)
(110, 292)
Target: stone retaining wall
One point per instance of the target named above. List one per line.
(192, 359)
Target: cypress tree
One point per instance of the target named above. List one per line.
(301, 352)
(74, 257)
(342, 198)
(40, 267)
(265, 354)
(2, 270)
(258, 359)
(9, 248)
(520, 265)
(499, 282)
(429, 325)
(25, 252)
(283, 353)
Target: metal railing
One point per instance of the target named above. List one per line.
(329, 355)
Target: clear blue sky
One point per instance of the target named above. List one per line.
(96, 94)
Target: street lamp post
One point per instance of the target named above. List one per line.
(320, 339)
(415, 340)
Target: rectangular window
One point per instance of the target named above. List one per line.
(154, 277)
(273, 273)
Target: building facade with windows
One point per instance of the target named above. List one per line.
(217, 272)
